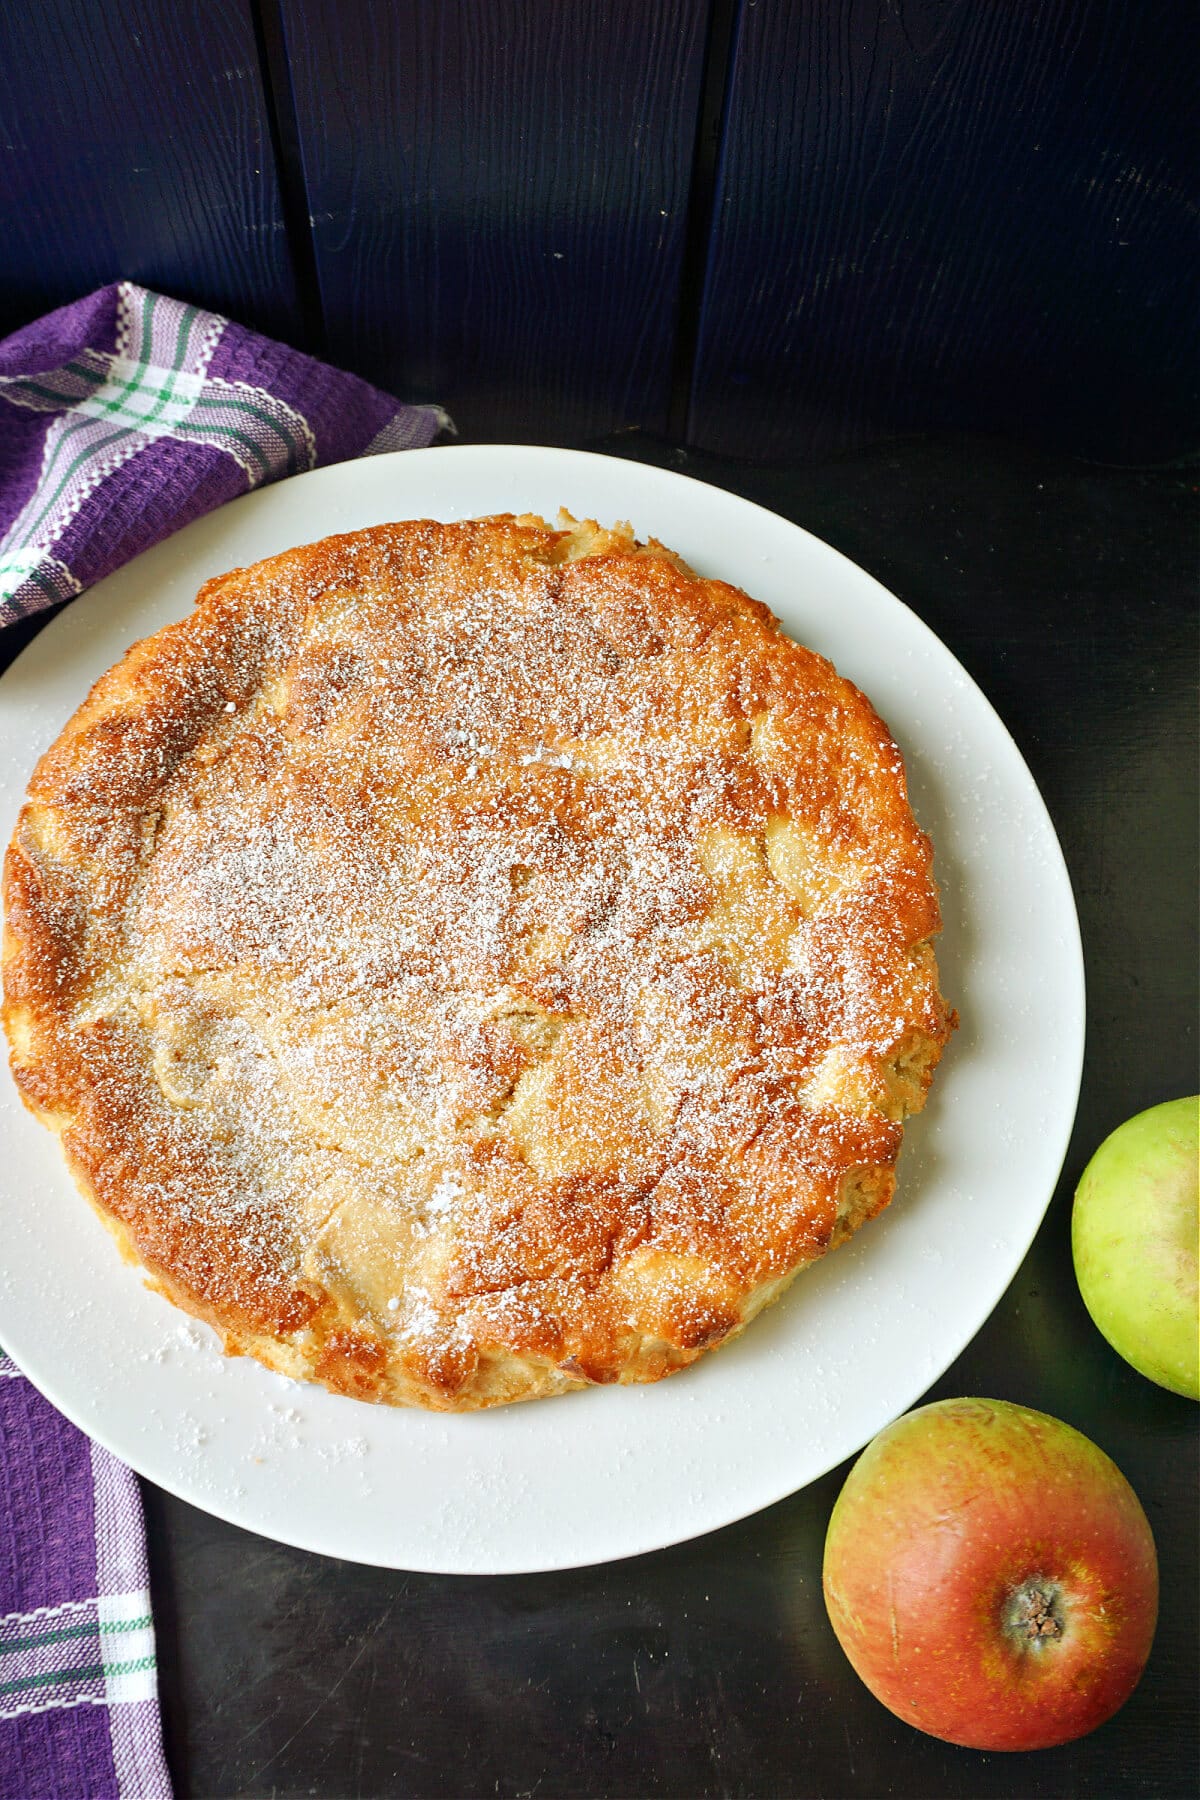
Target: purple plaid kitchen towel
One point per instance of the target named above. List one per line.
(122, 418)
(78, 1692)
(126, 415)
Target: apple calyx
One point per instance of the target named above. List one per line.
(1034, 1614)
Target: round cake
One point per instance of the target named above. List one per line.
(469, 962)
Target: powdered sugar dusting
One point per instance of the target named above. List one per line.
(471, 965)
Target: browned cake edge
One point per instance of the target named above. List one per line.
(45, 952)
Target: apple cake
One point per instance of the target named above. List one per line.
(466, 962)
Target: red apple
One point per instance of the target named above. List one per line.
(991, 1576)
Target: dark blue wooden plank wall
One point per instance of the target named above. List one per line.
(134, 144)
(907, 214)
(954, 213)
(498, 196)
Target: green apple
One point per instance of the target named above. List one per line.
(1134, 1235)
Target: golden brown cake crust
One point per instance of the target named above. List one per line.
(465, 962)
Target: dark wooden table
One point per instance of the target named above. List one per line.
(1069, 592)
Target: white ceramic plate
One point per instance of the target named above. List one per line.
(610, 1471)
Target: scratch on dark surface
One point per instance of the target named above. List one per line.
(367, 1641)
(256, 1560)
(259, 1725)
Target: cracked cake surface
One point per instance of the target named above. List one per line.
(468, 962)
